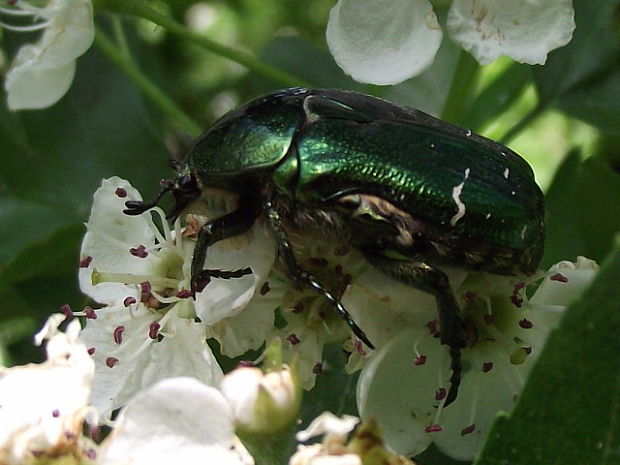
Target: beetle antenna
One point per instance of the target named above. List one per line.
(137, 207)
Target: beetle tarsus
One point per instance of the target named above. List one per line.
(137, 207)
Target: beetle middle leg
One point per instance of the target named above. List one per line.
(428, 278)
(304, 278)
(232, 224)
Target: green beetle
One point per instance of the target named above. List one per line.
(410, 191)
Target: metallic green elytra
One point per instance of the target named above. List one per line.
(410, 191)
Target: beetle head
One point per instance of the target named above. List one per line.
(184, 189)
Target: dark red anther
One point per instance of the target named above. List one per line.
(91, 350)
(317, 369)
(293, 339)
(120, 192)
(440, 394)
(341, 251)
(516, 300)
(487, 366)
(145, 291)
(129, 301)
(86, 261)
(518, 287)
(359, 347)
(264, 289)
(339, 272)
(184, 294)
(139, 251)
(55, 413)
(90, 453)
(528, 350)
(66, 309)
(468, 429)
(154, 328)
(432, 326)
(433, 429)
(111, 361)
(470, 297)
(559, 277)
(90, 313)
(489, 319)
(246, 364)
(118, 334)
(526, 324)
(318, 262)
(298, 308)
(419, 360)
(95, 433)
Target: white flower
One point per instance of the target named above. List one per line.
(404, 384)
(389, 41)
(311, 320)
(151, 327)
(43, 406)
(332, 450)
(263, 402)
(42, 73)
(176, 420)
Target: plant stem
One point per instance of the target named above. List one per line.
(461, 89)
(530, 116)
(140, 9)
(148, 87)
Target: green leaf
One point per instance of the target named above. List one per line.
(596, 102)
(53, 160)
(594, 49)
(304, 60)
(582, 210)
(498, 95)
(569, 411)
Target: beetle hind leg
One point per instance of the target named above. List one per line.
(303, 278)
(428, 278)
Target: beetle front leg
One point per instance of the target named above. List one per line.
(304, 278)
(229, 225)
(428, 278)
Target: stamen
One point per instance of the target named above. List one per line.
(129, 301)
(66, 309)
(139, 251)
(559, 277)
(14, 12)
(433, 429)
(317, 369)
(111, 361)
(440, 394)
(265, 288)
(419, 360)
(86, 261)
(293, 339)
(129, 278)
(526, 324)
(154, 328)
(120, 192)
(468, 429)
(34, 27)
(91, 350)
(487, 366)
(118, 334)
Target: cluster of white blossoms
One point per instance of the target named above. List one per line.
(150, 327)
(388, 41)
(41, 73)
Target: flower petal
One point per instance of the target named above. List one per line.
(70, 33)
(135, 361)
(403, 413)
(110, 236)
(524, 30)
(176, 419)
(383, 41)
(29, 86)
(224, 298)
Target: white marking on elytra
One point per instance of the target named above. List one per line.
(468, 133)
(456, 196)
(523, 232)
(310, 116)
(506, 173)
(488, 215)
(512, 192)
